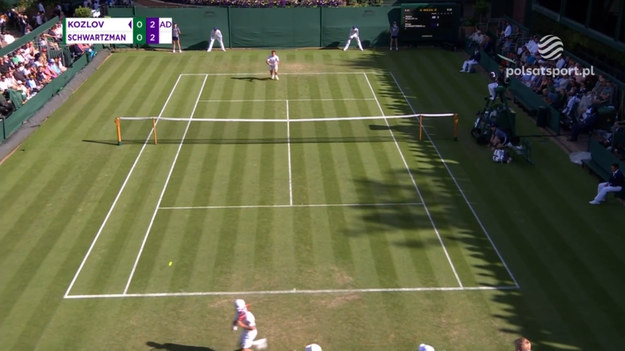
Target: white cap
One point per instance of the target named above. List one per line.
(425, 347)
(313, 347)
(239, 304)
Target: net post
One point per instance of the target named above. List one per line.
(456, 120)
(154, 130)
(420, 127)
(119, 131)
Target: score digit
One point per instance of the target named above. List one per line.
(139, 31)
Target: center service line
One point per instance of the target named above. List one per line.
(288, 143)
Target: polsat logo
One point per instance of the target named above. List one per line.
(550, 47)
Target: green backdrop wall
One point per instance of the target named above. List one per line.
(275, 27)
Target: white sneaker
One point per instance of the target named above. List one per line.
(260, 344)
(277, 78)
(593, 202)
(174, 51)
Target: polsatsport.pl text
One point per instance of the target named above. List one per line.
(549, 71)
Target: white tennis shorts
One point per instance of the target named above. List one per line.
(247, 338)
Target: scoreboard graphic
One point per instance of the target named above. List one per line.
(137, 30)
(430, 21)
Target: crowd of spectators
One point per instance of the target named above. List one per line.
(27, 69)
(23, 73)
(564, 84)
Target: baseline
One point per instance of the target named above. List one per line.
(296, 291)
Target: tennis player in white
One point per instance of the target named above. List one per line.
(272, 61)
(245, 320)
(353, 34)
(216, 35)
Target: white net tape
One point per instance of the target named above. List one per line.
(287, 120)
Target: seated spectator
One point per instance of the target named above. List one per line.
(492, 86)
(473, 60)
(603, 92)
(32, 84)
(16, 97)
(498, 142)
(59, 64)
(6, 108)
(585, 124)
(536, 82)
(58, 11)
(614, 184)
(54, 68)
(507, 47)
(476, 38)
(487, 45)
(507, 30)
(5, 64)
(570, 108)
(532, 45)
(6, 39)
(498, 138)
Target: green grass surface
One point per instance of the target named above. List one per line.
(355, 235)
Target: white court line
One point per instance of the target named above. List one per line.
(295, 291)
(414, 183)
(119, 194)
(464, 196)
(281, 74)
(288, 145)
(298, 100)
(381, 204)
(160, 198)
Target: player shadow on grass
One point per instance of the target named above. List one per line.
(176, 347)
(251, 79)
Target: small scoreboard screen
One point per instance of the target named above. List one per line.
(430, 21)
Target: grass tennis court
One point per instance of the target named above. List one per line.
(349, 233)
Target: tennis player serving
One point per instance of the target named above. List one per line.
(272, 61)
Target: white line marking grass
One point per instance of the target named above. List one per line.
(296, 100)
(67, 295)
(295, 291)
(464, 196)
(383, 204)
(119, 194)
(160, 198)
(288, 146)
(414, 183)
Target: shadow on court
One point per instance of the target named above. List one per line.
(251, 79)
(176, 347)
